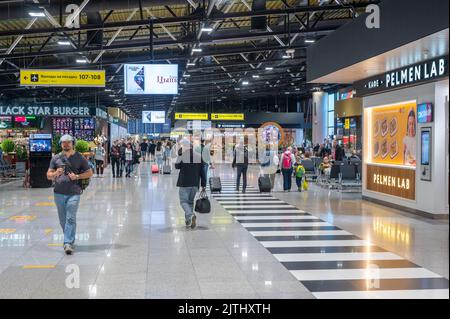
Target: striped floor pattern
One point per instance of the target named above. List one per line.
(328, 261)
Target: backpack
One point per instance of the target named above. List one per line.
(287, 160)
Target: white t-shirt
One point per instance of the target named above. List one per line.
(128, 154)
(99, 153)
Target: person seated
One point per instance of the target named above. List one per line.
(354, 156)
(325, 166)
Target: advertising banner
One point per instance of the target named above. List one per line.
(69, 78)
(392, 132)
(151, 78)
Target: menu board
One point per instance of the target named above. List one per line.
(82, 128)
(63, 125)
(393, 130)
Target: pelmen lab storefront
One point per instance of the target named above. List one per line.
(403, 84)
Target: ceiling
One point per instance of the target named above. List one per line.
(429, 47)
(114, 32)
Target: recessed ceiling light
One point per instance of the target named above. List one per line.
(63, 42)
(245, 83)
(310, 40)
(255, 76)
(81, 60)
(36, 13)
(206, 29)
(186, 75)
(269, 68)
(190, 64)
(286, 56)
(197, 50)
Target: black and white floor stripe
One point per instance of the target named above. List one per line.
(329, 261)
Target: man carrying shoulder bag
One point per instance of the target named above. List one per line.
(71, 172)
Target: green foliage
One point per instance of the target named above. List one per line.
(55, 144)
(22, 153)
(8, 146)
(82, 146)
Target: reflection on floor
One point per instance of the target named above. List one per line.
(329, 262)
(132, 243)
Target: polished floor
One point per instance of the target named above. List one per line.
(132, 243)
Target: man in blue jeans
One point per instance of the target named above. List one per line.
(287, 164)
(192, 174)
(66, 170)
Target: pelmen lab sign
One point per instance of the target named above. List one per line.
(430, 70)
(400, 182)
(47, 110)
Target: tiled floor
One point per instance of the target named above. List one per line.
(132, 243)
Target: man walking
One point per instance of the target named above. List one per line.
(191, 175)
(115, 159)
(67, 169)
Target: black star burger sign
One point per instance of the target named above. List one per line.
(415, 74)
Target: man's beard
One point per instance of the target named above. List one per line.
(67, 149)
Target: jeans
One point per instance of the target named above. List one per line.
(241, 170)
(67, 206)
(123, 164)
(298, 181)
(205, 169)
(187, 196)
(129, 168)
(287, 178)
(115, 163)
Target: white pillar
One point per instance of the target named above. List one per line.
(319, 118)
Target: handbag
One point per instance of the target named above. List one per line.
(202, 204)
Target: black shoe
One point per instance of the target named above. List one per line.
(68, 249)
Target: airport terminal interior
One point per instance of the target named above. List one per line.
(224, 149)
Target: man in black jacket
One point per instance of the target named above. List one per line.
(191, 175)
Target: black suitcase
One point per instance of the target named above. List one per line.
(214, 184)
(264, 184)
(167, 169)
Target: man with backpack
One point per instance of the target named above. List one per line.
(287, 164)
(69, 170)
(240, 161)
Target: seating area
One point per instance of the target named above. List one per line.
(345, 176)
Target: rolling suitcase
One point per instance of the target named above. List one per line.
(155, 169)
(167, 169)
(214, 183)
(264, 184)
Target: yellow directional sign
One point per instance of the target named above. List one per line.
(227, 116)
(191, 116)
(76, 78)
(347, 124)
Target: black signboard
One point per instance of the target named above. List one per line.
(17, 110)
(415, 74)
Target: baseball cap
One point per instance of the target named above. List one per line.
(66, 138)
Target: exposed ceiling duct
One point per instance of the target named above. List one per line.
(94, 37)
(259, 24)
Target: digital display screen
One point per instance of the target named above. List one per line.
(27, 122)
(158, 117)
(5, 122)
(425, 142)
(425, 113)
(40, 146)
(151, 78)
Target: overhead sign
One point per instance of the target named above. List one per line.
(347, 124)
(47, 110)
(151, 78)
(69, 78)
(430, 70)
(191, 116)
(155, 117)
(227, 117)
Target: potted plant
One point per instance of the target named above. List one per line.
(55, 144)
(8, 147)
(22, 158)
(82, 147)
